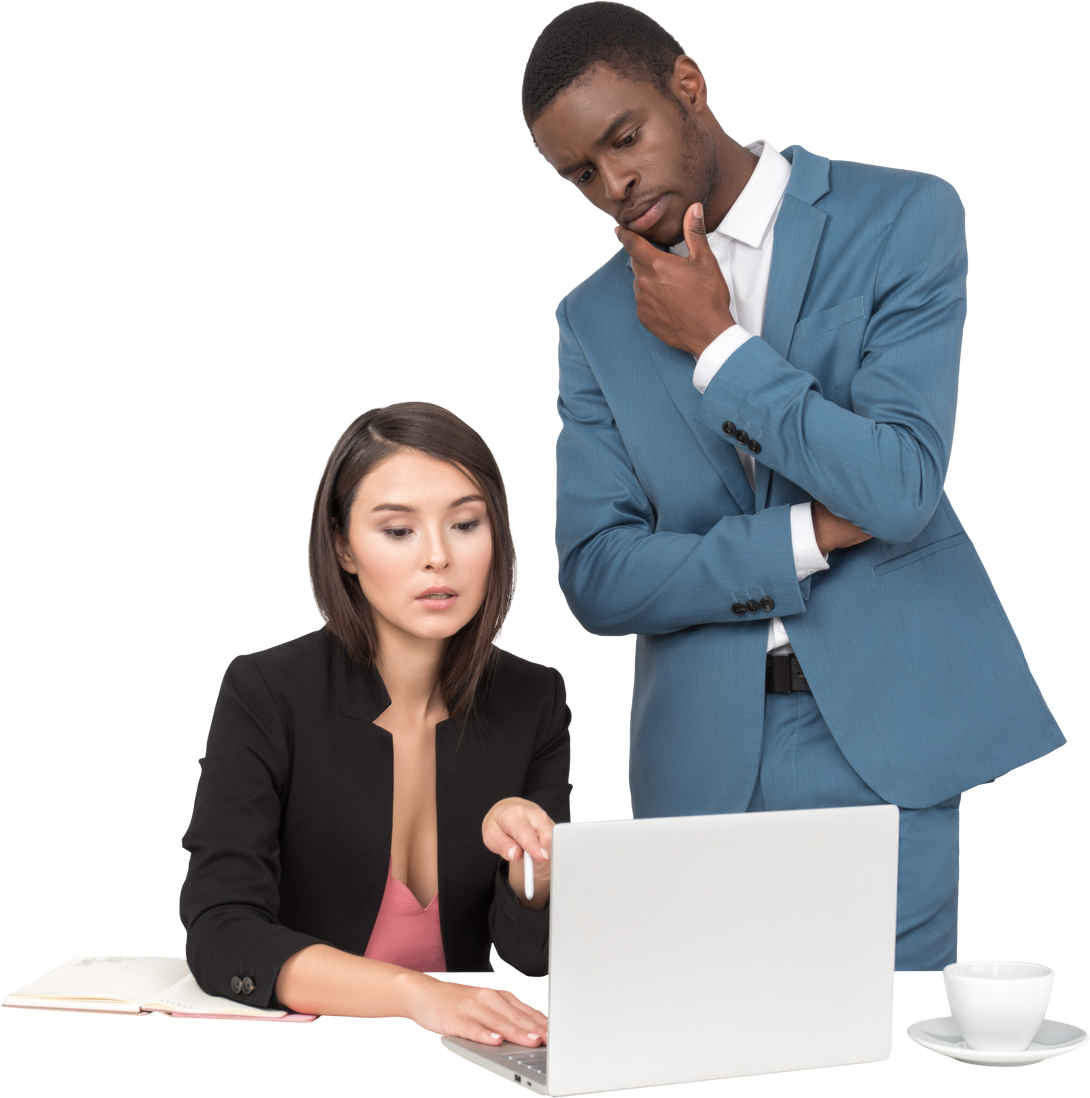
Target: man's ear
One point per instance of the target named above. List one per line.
(689, 84)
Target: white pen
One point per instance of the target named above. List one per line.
(528, 874)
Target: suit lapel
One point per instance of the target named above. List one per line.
(795, 243)
(797, 235)
(794, 247)
(675, 370)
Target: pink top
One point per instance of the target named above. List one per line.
(405, 933)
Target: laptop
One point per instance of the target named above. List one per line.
(704, 947)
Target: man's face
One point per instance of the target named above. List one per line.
(639, 155)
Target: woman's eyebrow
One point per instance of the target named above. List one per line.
(412, 510)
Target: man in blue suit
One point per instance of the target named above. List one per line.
(758, 396)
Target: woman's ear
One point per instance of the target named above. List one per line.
(344, 554)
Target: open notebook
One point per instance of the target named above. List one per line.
(135, 985)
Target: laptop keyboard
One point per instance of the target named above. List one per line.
(533, 1059)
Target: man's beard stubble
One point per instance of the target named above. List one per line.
(698, 168)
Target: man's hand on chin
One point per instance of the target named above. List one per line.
(683, 301)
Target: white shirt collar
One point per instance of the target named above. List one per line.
(748, 220)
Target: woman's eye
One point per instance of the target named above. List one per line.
(397, 532)
(465, 527)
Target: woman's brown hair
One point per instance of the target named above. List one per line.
(372, 438)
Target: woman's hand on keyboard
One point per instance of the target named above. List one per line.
(477, 1013)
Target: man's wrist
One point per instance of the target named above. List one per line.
(708, 338)
(716, 354)
(804, 545)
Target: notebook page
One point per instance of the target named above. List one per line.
(107, 979)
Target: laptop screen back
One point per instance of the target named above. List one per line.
(702, 947)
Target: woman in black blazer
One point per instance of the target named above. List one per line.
(377, 752)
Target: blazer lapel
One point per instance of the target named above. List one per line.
(675, 370)
(795, 243)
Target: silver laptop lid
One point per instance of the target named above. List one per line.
(703, 947)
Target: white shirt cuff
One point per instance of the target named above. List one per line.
(808, 557)
(716, 353)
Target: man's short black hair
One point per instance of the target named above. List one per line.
(600, 33)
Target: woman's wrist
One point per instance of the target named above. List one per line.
(411, 990)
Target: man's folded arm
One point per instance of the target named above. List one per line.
(618, 574)
(881, 464)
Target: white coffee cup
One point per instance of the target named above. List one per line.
(998, 1005)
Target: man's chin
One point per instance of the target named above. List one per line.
(665, 236)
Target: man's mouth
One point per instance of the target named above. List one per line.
(643, 215)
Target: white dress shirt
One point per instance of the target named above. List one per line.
(742, 243)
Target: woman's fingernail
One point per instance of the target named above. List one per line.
(534, 1036)
(494, 1036)
(544, 853)
(511, 853)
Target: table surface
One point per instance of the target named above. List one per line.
(333, 1071)
(351, 1059)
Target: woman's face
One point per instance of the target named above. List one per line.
(420, 543)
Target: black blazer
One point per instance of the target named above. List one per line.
(291, 829)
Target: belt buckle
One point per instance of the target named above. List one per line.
(784, 675)
(798, 679)
(778, 674)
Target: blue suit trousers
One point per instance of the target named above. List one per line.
(802, 767)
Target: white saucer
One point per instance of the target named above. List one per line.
(941, 1035)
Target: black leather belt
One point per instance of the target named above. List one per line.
(783, 675)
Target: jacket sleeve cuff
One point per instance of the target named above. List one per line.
(520, 934)
(716, 354)
(225, 951)
(808, 557)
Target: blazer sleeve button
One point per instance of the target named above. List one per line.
(754, 446)
(741, 436)
(753, 606)
(247, 985)
(236, 984)
(739, 609)
(729, 428)
(767, 604)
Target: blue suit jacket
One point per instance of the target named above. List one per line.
(851, 393)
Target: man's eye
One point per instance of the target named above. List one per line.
(583, 177)
(627, 139)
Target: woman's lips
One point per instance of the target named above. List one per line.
(438, 598)
(649, 216)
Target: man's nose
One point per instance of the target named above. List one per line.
(617, 181)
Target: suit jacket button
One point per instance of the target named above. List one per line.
(753, 606)
(236, 984)
(767, 604)
(754, 445)
(738, 608)
(729, 428)
(247, 985)
(741, 436)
